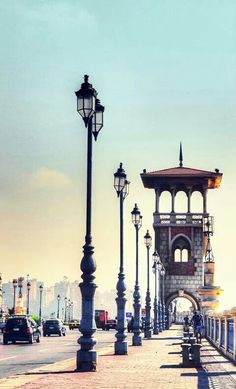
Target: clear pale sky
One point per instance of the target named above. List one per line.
(165, 71)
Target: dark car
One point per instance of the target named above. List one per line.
(21, 328)
(110, 325)
(53, 327)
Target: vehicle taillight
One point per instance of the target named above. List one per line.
(29, 330)
(5, 331)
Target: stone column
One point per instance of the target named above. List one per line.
(189, 200)
(157, 200)
(172, 200)
(204, 195)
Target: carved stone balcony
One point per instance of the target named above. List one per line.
(182, 219)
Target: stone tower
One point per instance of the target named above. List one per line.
(182, 239)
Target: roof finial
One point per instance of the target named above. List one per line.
(180, 155)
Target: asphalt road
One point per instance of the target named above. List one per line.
(22, 357)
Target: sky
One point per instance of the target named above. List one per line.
(165, 71)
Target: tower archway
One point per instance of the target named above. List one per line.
(175, 295)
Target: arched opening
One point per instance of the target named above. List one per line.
(181, 249)
(180, 307)
(177, 255)
(165, 202)
(178, 304)
(196, 202)
(181, 202)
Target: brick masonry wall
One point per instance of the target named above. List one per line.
(183, 280)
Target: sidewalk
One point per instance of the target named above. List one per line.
(155, 365)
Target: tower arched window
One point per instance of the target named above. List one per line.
(181, 249)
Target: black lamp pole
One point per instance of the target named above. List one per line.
(89, 107)
(68, 311)
(162, 273)
(58, 305)
(156, 268)
(65, 318)
(40, 303)
(137, 339)
(20, 285)
(147, 331)
(14, 282)
(28, 297)
(72, 309)
(121, 186)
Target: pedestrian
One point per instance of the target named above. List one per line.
(186, 323)
(197, 323)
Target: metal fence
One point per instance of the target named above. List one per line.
(221, 331)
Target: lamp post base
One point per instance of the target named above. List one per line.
(155, 332)
(121, 348)
(137, 341)
(147, 334)
(86, 361)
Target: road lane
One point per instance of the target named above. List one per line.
(20, 358)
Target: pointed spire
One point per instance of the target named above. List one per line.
(180, 155)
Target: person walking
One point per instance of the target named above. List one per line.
(197, 323)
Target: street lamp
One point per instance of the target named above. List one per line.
(121, 186)
(20, 286)
(71, 310)
(68, 311)
(65, 318)
(162, 273)
(148, 332)
(14, 282)
(89, 107)
(156, 268)
(40, 302)
(58, 305)
(136, 339)
(28, 296)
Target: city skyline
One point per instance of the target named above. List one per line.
(163, 79)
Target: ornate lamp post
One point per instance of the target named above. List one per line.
(40, 303)
(147, 331)
(156, 267)
(28, 296)
(89, 107)
(137, 339)
(121, 186)
(14, 282)
(71, 310)
(65, 318)
(162, 273)
(20, 286)
(58, 305)
(68, 310)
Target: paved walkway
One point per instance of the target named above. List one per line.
(155, 365)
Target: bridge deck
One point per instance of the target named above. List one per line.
(155, 365)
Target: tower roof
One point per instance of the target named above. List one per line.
(183, 175)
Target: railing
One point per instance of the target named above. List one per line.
(179, 219)
(221, 331)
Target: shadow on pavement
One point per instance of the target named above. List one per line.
(48, 372)
(175, 352)
(166, 338)
(170, 366)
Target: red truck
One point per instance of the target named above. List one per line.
(101, 318)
